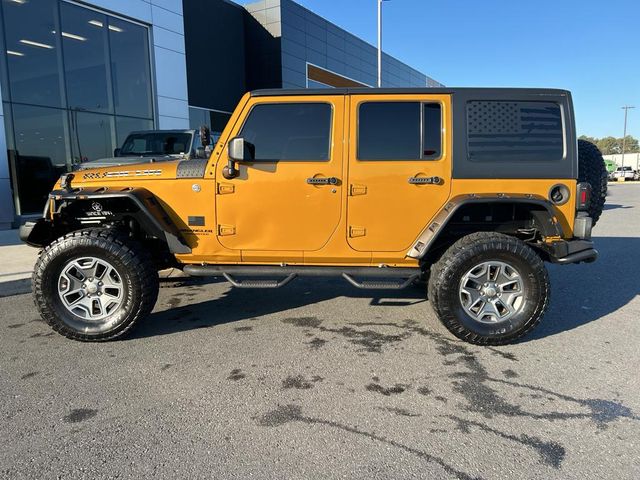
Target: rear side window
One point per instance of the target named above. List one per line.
(504, 130)
(399, 131)
(289, 131)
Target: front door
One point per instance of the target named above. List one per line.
(289, 198)
(399, 168)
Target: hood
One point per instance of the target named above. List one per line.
(126, 173)
(119, 161)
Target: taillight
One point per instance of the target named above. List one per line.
(584, 196)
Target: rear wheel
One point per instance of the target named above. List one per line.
(592, 169)
(489, 288)
(94, 285)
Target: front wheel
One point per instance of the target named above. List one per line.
(489, 288)
(94, 285)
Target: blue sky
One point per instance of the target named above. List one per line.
(591, 47)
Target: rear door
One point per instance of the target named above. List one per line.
(289, 199)
(399, 168)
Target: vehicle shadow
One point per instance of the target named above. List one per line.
(246, 304)
(580, 294)
(615, 206)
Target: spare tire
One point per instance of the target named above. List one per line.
(592, 169)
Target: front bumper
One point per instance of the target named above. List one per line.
(565, 252)
(38, 233)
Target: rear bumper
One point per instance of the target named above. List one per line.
(573, 251)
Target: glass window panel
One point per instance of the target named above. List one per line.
(289, 131)
(167, 142)
(130, 69)
(198, 117)
(33, 56)
(41, 153)
(389, 131)
(218, 123)
(432, 136)
(91, 136)
(84, 43)
(314, 84)
(126, 125)
(527, 131)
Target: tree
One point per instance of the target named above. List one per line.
(611, 145)
(631, 145)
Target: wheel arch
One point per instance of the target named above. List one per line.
(541, 213)
(70, 209)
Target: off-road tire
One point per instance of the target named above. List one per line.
(592, 169)
(447, 273)
(134, 264)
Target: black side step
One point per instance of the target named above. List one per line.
(380, 285)
(404, 275)
(258, 283)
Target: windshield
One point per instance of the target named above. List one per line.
(156, 143)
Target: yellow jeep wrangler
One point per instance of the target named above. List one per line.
(468, 190)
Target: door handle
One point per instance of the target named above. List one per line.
(322, 181)
(425, 180)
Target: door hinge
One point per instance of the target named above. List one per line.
(357, 190)
(225, 188)
(224, 230)
(357, 231)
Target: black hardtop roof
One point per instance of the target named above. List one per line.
(408, 91)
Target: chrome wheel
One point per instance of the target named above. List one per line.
(92, 289)
(492, 292)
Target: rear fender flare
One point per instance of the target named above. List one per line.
(545, 218)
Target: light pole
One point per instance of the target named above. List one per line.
(624, 135)
(380, 42)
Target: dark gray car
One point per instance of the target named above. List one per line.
(152, 146)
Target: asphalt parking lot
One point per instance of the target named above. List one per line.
(320, 380)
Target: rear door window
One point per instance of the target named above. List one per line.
(399, 131)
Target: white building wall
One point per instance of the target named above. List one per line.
(630, 159)
(6, 200)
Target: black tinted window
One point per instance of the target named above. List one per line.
(156, 144)
(502, 130)
(289, 131)
(389, 131)
(432, 135)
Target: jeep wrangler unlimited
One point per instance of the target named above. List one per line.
(470, 190)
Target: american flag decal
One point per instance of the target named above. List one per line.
(527, 131)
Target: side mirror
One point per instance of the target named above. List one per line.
(116, 152)
(201, 152)
(205, 135)
(239, 150)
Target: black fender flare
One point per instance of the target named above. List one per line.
(545, 218)
(140, 205)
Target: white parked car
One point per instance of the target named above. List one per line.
(625, 172)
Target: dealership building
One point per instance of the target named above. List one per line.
(77, 77)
